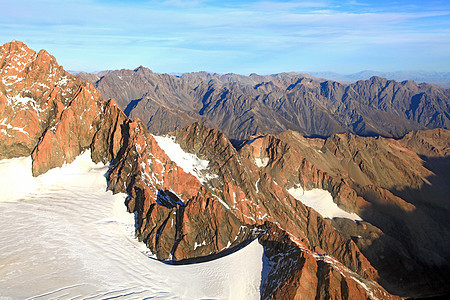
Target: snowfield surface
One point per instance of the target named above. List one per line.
(322, 202)
(261, 163)
(62, 236)
(190, 163)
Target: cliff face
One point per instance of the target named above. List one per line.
(397, 186)
(297, 273)
(45, 111)
(273, 104)
(196, 197)
(34, 89)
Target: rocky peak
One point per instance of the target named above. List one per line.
(378, 80)
(25, 64)
(143, 70)
(15, 55)
(45, 110)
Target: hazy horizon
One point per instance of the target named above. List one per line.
(262, 74)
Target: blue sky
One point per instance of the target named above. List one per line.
(235, 36)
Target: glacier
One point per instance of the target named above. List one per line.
(62, 235)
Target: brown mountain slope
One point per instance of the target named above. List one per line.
(241, 106)
(396, 185)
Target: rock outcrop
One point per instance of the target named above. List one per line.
(395, 185)
(295, 272)
(176, 216)
(34, 88)
(45, 110)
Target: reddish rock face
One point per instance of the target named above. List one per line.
(72, 131)
(24, 97)
(255, 197)
(298, 273)
(394, 184)
(43, 109)
(177, 217)
(184, 221)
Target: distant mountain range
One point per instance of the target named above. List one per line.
(439, 78)
(242, 106)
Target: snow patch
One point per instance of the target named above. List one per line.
(23, 101)
(16, 180)
(322, 202)
(63, 81)
(261, 163)
(9, 126)
(199, 245)
(19, 100)
(189, 162)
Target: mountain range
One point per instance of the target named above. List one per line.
(241, 106)
(441, 79)
(438, 78)
(210, 163)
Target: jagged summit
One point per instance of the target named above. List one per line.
(143, 69)
(34, 92)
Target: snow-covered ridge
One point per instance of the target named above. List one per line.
(189, 162)
(63, 236)
(322, 202)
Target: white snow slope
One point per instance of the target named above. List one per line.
(62, 236)
(322, 202)
(189, 162)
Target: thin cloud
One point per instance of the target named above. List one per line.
(278, 33)
(288, 5)
(182, 3)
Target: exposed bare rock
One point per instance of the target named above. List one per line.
(255, 197)
(385, 182)
(108, 139)
(34, 88)
(87, 76)
(71, 131)
(176, 217)
(47, 111)
(294, 272)
(429, 143)
(241, 106)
